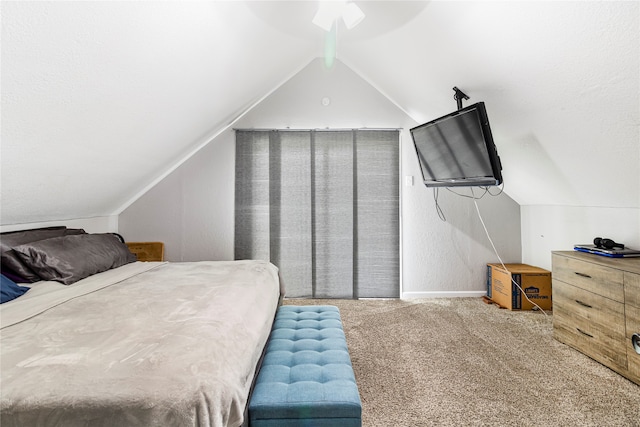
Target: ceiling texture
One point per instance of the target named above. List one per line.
(100, 98)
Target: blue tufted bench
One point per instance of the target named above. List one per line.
(306, 377)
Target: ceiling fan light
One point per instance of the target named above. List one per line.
(328, 12)
(352, 15)
(323, 21)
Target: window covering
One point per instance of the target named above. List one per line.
(322, 205)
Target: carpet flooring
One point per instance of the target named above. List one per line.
(461, 362)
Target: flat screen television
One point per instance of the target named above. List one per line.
(457, 150)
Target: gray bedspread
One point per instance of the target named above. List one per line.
(174, 344)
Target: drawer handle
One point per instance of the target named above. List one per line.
(635, 339)
(582, 274)
(584, 304)
(584, 333)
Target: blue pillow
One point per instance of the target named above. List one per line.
(10, 290)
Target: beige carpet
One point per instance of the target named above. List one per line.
(461, 362)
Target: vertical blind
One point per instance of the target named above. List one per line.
(323, 206)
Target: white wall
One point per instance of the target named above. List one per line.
(102, 224)
(449, 259)
(192, 209)
(551, 228)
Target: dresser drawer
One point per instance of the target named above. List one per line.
(592, 277)
(590, 323)
(633, 356)
(590, 310)
(632, 289)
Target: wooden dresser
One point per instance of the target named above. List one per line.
(596, 308)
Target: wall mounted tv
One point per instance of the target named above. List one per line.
(457, 150)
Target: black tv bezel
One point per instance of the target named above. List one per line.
(492, 152)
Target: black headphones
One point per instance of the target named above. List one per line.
(606, 243)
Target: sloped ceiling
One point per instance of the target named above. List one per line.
(99, 99)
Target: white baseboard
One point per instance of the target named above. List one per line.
(444, 294)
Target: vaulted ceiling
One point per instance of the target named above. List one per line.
(100, 98)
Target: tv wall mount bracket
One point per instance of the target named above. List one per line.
(459, 96)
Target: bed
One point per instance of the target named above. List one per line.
(136, 344)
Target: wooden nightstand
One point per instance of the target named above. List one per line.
(147, 251)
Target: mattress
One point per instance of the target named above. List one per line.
(145, 344)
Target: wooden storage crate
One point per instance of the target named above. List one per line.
(147, 251)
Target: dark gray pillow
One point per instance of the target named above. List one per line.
(11, 262)
(67, 259)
